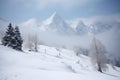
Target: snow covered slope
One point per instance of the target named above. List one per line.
(47, 64)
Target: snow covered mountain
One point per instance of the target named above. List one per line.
(99, 27)
(79, 27)
(56, 24)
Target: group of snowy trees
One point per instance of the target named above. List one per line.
(12, 38)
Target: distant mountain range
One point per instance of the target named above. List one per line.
(56, 24)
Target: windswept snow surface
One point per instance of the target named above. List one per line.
(47, 64)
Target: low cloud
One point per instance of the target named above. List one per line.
(109, 38)
(101, 18)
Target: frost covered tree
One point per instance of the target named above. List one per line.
(33, 42)
(98, 55)
(18, 39)
(9, 37)
(29, 43)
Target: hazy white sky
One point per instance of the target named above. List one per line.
(22, 10)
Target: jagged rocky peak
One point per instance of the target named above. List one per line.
(55, 18)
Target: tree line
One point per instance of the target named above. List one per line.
(12, 38)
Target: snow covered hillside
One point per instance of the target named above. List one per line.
(50, 63)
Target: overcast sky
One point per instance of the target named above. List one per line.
(21, 10)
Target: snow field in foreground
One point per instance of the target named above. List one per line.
(48, 65)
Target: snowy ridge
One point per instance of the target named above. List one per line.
(81, 28)
(48, 65)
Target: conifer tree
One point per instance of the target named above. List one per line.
(18, 39)
(9, 38)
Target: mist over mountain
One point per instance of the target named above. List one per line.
(55, 23)
(60, 40)
(57, 31)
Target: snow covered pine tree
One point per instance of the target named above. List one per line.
(9, 38)
(18, 39)
(12, 38)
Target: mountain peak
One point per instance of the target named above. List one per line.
(55, 17)
(55, 14)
